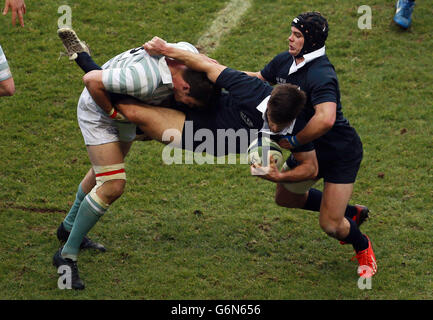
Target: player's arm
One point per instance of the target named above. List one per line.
(307, 169)
(7, 87)
(95, 86)
(322, 121)
(198, 62)
(257, 74)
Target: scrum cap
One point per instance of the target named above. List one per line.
(314, 28)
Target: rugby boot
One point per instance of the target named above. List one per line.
(58, 261)
(72, 43)
(63, 235)
(366, 261)
(403, 13)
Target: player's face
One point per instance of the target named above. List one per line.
(296, 42)
(183, 97)
(276, 127)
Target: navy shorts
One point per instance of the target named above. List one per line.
(342, 167)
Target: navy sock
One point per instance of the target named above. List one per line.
(355, 237)
(350, 211)
(85, 62)
(313, 201)
(315, 198)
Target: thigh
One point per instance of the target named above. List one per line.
(98, 128)
(158, 123)
(109, 153)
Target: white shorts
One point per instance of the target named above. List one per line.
(300, 187)
(97, 127)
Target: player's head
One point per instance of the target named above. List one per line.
(284, 105)
(193, 88)
(309, 33)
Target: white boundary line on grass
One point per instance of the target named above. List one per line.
(226, 19)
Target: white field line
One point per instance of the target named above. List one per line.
(226, 19)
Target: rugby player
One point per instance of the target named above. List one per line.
(338, 146)
(7, 86)
(108, 137)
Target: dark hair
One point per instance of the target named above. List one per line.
(314, 28)
(285, 103)
(201, 88)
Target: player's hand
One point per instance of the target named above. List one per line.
(156, 46)
(18, 7)
(116, 115)
(270, 173)
(285, 144)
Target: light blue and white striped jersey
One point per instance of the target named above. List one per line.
(136, 73)
(5, 72)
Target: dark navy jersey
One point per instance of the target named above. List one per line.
(319, 81)
(245, 93)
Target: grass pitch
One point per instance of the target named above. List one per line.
(213, 231)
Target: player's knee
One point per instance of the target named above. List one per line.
(110, 181)
(330, 227)
(114, 189)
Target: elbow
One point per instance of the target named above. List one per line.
(329, 123)
(90, 78)
(10, 91)
(87, 79)
(314, 172)
(7, 87)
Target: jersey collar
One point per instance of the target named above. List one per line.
(165, 72)
(307, 58)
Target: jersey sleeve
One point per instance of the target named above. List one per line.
(139, 79)
(323, 86)
(303, 148)
(271, 70)
(5, 72)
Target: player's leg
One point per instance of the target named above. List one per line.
(288, 199)
(301, 195)
(84, 188)
(108, 165)
(403, 13)
(156, 122)
(86, 185)
(77, 50)
(335, 224)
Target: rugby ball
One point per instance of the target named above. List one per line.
(260, 152)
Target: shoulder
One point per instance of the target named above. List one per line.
(282, 58)
(321, 71)
(243, 86)
(229, 76)
(321, 66)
